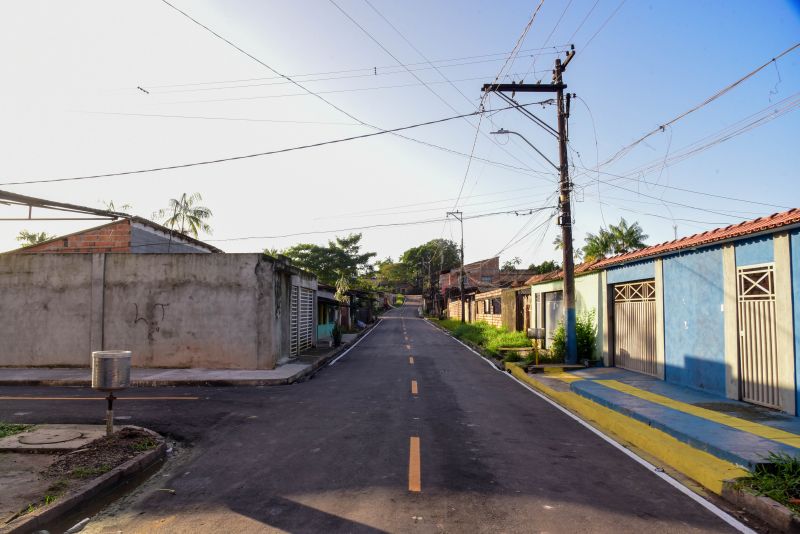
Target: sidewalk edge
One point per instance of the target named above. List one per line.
(704, 468)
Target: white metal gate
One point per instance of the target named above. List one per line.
(635, 326)
(758, 354)
(306, 326)
(301, 322)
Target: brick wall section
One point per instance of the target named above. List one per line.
(115, 237)
(492, 319)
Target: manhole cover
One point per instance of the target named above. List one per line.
(46, 436)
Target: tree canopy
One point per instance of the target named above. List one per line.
(340, 258)
(544, 267)
(27, 238)
(617, 239)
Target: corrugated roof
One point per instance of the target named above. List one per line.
(755, 226)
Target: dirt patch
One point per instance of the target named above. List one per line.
(102, 455)
(71, 470)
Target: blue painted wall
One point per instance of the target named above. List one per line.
(694, 327)
(634, 271)
(794, 244)
(754, 251)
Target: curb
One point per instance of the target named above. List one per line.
(769, 511)
(245, 382)
(704, 468)
(37, 519)
(477, 348)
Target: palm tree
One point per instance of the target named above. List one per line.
(598, 245)
(627, 237)
(185, 215)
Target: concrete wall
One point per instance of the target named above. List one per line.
(694, 320)
(754, 251)
(794, 243)
(170, 310)
(642, 270)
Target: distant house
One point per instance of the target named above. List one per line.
(328, 312)
(134, 235)
(481, 278)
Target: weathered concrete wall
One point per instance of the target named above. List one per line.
(171, 310)
(45, 306)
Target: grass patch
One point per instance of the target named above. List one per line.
(89, 472)
(486, 336)
(779, 480)
(144, 445)
(9, 429)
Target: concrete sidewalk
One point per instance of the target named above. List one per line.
(292, 371)
(733, 431)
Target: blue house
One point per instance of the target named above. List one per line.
(716, 311)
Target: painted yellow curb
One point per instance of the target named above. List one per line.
(764, 431)
(704, 468)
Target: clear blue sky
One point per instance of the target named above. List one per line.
(650, 62)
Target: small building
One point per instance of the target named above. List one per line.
(131, 235)
(328, 312)
(547, 301)
(717, 311)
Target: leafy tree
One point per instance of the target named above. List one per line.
(185, 215)
(510, 265)
(430, 258)
(340, 258)
(27, 238)
(544, 267)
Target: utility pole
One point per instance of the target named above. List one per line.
(458, 215)
(565, 186)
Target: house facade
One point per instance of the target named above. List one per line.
(547, 301)
(717, 311)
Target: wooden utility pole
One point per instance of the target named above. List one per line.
(458, 215)
(565, 186)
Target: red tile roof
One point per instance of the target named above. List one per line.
(762, 224)
(583, 268)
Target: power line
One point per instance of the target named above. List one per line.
(603, 25)
(242, 119)
(626, 149)
(426, 85)
(514, 50)
(376, 70)
(518, 212)
(246, 156)
(323, 99)
(571, 37)
(420, 83)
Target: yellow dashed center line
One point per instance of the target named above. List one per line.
(96, 398)
(414, 467)
(411, 360)
(414, 390)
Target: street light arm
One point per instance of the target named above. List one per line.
(502, 131)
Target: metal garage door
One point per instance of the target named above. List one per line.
(758, 352)
(635, 326)
(301, 323)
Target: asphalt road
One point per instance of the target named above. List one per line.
(337, 453)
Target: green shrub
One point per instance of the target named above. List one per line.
(586, 333)
(779, 479)
(485, 335)
(513, 357)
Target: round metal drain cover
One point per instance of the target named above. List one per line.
(46, 436)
